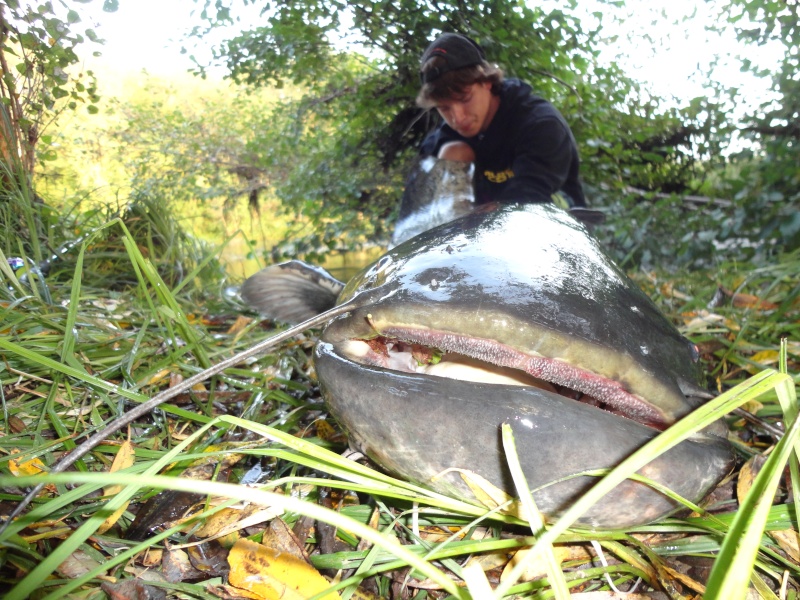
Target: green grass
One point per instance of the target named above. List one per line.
(122, 325)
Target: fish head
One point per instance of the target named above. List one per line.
(510, 312)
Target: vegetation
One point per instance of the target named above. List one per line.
(105, 300)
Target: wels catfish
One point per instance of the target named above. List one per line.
(509, 314)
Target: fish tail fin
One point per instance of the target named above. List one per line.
(291, 292)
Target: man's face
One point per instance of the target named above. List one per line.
(471, 113)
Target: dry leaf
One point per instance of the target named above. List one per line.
(279, 537)
(747, 475)
(325, 430)
(274, 575)
(77, 564)
(132, 588)
(239, 325)
(764, 359)
(158, 377)
(227, 521)
(488, 560)
(538, 567)
(228, 592)
(176, 567)
(684, 579)
(125, 458)
(33, 466)
(490, 495)
(788, 541)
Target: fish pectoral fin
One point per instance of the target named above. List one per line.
(291, 292)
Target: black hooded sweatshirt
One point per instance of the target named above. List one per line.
(527, 153)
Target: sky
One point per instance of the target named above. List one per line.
(146, 34)
(142, 34)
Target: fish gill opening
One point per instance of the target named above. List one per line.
(467, 359)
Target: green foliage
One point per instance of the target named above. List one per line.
(345, 145)
(37, 50)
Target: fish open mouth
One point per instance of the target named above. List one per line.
(454, 356)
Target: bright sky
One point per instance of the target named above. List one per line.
(142, 34)
(146, 34)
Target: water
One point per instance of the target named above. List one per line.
(342, 265)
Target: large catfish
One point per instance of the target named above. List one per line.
(510, 314)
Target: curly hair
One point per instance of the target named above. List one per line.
(453, 84)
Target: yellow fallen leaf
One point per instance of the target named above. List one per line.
(747, 475)
(33, 466)
(158, 377)
(280, 537)
(325, 430)
(763, 359)
(76, 565)
(124, 459)
(274, 575)
(230, 520)
(695, 586)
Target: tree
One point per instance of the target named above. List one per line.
(37, 50)
(37, 53)
(353, 133)
(766, 175)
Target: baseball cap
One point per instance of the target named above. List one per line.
(458, 52)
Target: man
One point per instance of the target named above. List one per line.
(522, 147)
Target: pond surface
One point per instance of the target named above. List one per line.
(239, 262)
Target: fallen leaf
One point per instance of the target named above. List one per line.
(763, 359)
(280, 538)
(747, 475)
(176, 566)
(77, 564)
(33, 466)
(538, 567)
(489, 494)
(125, 458)
(209, 557)
(274, 575)
(684, 579)
(239, 325)
(789, 542)
(132, 588)
(229, 592)
(325, 430)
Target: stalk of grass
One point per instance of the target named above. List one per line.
(733, 567)
(536, 522)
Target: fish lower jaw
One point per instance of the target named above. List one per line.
(492, 363)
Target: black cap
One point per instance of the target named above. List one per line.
(458, 52)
